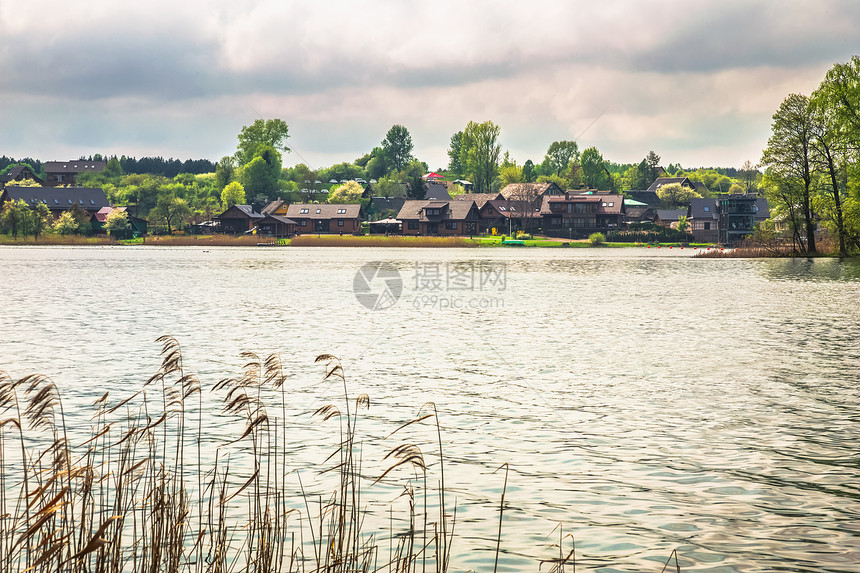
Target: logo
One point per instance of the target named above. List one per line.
(377, 285)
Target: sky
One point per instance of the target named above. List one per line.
(697, 81)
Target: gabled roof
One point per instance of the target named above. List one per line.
(20, 170)
(648, 197)
(278, 218)
(611, 204)
(660, 181)
(450, 210)
(437, 191)
(479, 198)
(77, 166)
(411, 209)
(530, 191)
(704, 209)
(272, 207)
(324, 211)
(671, 214)
(103, 213)
(60, 198)
(509, 209)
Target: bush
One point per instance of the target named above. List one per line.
(596, 239)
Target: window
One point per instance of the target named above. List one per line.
(319, 210)
(341, 211)
(412, 225)
(303, 223)
(92, 202)
(304, 211)
(706, 209)
(340, 222)
(707, 225)
(56, 202)
(451, 225)
(70, 201)
(432, 212)
(612, 203)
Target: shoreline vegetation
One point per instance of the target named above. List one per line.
(137, 493)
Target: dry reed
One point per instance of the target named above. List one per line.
(378, 241)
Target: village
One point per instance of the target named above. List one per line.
(448, 209)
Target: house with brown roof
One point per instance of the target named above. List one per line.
(58, 199)
(451, 218)
(325, 217)
(275, 226)
(66, 172)
(479, 198)
(530, 193)
(508, 217)
(19, 173)
(238, 219)
(571, 216)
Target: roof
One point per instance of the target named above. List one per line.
(648, 197)
(611, 204)
(547, 199)
(671, 214)
(660, 181)
(60, 198)
(324, 211)
(246, 210)
(102, 214)
(437, 191)
(510, 209)
(762, 209)
(634, 203)
(704, 209)
(278, 218)
(272, 207)
(453, 210)
(530, 191)
(411, 209)
(76, 166)
(478, 198)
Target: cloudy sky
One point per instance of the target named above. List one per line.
(697, 81)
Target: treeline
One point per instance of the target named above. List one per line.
(143, 166)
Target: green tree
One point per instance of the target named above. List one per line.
(479, 154)
(683, 224)
(15, 217)
(510, 174)
(260, 175)
(416, 188)
(455, 164)
(529, 174)
(676, 195)
(594, 172)
(225, 172)
(789, 153)
(560, 154)
(398, 146)
(233, 194)
(40, 219)
(263, 132)
(66, 224)
(349, 192)
(387, 187)
(172, 210)
(117, 223)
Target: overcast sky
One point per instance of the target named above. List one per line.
(697, 81)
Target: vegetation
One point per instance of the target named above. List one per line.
(597, 239)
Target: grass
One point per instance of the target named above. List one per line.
(137, 496)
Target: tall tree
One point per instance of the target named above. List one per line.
(789, 153)
(172, 210)
(454, 163)
(560, 154)
(225, 172)
(398, 146)
(479, 154)
(15, 216)
(594, 171)
(529, 174)
(40, 219)
(233, 194)
(260, 175)
(271, 132)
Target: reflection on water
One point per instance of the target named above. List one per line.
(645, 400)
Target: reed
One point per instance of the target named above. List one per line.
(135, 494)
(378, 241)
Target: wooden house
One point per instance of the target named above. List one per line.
(343, 218)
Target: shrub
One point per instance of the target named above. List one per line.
(596, 239)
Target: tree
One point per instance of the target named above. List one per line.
(15, 216)
(749, 176)
(594, 171)
(40, 219)
(117, 223)
(683, 224)
(510, 174)
(560, 154)
(260, 175)
(675, 194)
(66, 224)
(233, 194)
(647, 171)
(454, 162)
(172, 210)
(349, 192)
(398, 147)
(225, 172)
(529, 171)
(789, 153)
(269, 132)
(479, 154)
(417, 189)
(387, 187)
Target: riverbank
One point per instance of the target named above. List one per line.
(327, 241)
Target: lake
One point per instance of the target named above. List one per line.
(643, 399)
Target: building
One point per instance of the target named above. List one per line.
(453, 218)
(275, 226)
(704, 218)
(238, 219)
(738, 214)
(19, 173)
(325, 217)
(58, 199)
(136, 226)
(66, 172)
(571, 216)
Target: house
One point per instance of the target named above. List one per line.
(384, 207)
(531, 193)
(506, 217)
(19, 173)
(276, 226)
(669, 217)
(739, 215)
(58, 199)
(137, 226)
(439, 217)
(276, 207)
(238, 219)
(325, 217)
(704, 218)
(648, 198)
(572, 216)
(660, 181)
(66, 172)
(611, 212)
